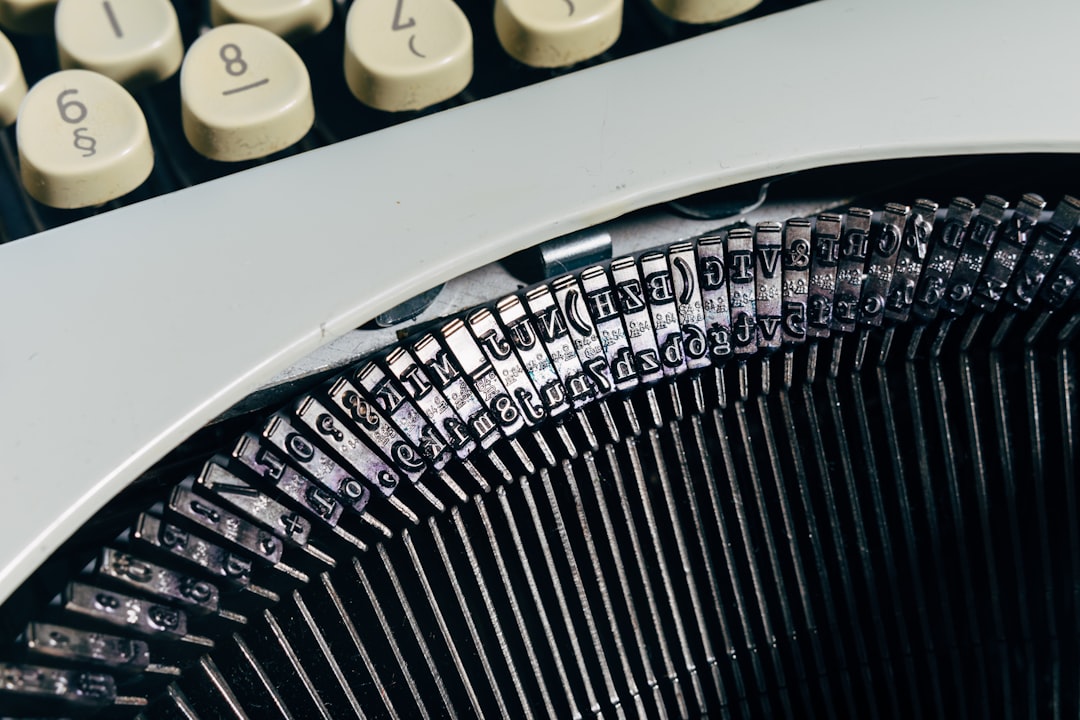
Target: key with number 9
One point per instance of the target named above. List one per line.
(82, 140)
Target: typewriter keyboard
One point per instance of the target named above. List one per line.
(203, 90)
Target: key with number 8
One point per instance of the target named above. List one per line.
(82, 140)
(246, 94)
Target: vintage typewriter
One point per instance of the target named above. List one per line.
(670, 360)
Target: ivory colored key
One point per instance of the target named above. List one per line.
(135, 42)
(407, 54)
(12, 82)
(557, 33)
(704, 11)
(27, 16)
(291, 19)
(246, 94)
(82, 140)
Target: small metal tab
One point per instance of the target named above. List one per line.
(977, 244)
(826, 249)
(742, 290)
(768, 279)
(316, 501)
(315, 463)
(1062, 281)
(77, 688)
(712, 278)
(914, 249)
(500, 353)
(603, 307)
(626, 281)
(944, 250)
(659, 293)
(197, 595)
(582, 332)
(228, 528)
(481, 374)
(796, 279)
(411, 375)
(684, 273)
(154, 532)
(382, 389)
(885, 244)
(444, 372)
(360, 457)
(521, 330)
(853, 250)
(551, 324)
(561, 255)
(361, 413)
(409, 309)
(131, 613)
(1013, 237)
(1049, 242)
(66, 644)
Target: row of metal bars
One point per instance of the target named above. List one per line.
(880, 525)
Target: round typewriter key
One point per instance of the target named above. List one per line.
(82, 140)
(135, 42)
(704, 11)
(12, 82)
(27, 16)
(291, 19)
(408, 54)
(557, 33)
(246, 94)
